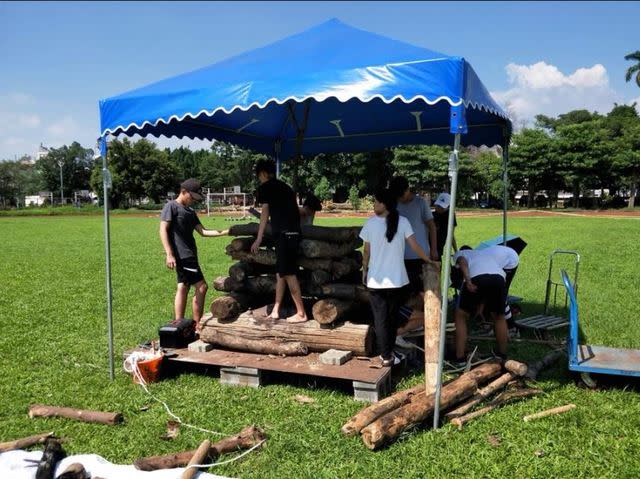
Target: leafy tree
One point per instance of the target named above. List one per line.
(17, 179)
(635, 68)
(354, 197)
(323, 190)
(77, 163)
(531, 162)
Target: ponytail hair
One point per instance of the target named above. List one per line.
(389, 201)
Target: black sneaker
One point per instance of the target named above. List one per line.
(501, 356)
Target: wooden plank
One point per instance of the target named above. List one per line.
(432, 301)
(354, 370)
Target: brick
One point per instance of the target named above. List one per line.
(200, 346)
(335, 357)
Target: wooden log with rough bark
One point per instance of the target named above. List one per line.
(372, 412)
(261, 285)
(41, 410)
(230, 305)
(227, 284)
(247, 438)
(254, 325)
(352, 292)
(262, 256)
(324, 249)
(243, 270)
(324, 233)
(481, 395)
(535, 368)
(25, 442)
(319, 277)
(421, 406)
(330, 310)
(516, 367)
(504, 398)
(549, 412)
(432, 324)
(276, 346)
(241, 244)
(198, 458)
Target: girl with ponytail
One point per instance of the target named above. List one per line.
(385, 236)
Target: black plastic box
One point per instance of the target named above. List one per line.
(178, 333)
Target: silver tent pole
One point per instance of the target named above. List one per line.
(505, 196)
(446, 271)
(106, 185)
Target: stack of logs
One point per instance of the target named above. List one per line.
(382, 422)
(330, 278)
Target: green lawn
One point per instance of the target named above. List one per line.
(53, 350)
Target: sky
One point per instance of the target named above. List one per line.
(58, 59)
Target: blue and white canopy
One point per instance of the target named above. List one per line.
(335, 87)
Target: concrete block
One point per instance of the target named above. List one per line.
(335, 356)
(372, 392)
(200, 346)
(240, 376)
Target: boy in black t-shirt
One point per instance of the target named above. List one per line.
(177, 223)
(279, 203)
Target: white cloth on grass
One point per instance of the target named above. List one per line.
(14, 466)
(386, 261)
(479, 263)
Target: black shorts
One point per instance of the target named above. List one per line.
(188, 271)
(287, 244)
(414, 271)
(491, 291)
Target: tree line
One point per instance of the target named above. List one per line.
(578, 151)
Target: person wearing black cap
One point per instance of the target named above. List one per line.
(177, 223)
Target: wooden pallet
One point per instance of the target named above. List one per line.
(542, 322)
(246, 369)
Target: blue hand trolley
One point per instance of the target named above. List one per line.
(586, 359)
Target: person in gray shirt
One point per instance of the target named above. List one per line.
(416, 209)
(177, 223)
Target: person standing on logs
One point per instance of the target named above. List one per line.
(385, 236)
(416, 209)
(177, 223)
(279, 203)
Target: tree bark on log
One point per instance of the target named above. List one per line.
(247, 438)
(324, 233)
(420, 406)
(323, 249)
(545, 362)
(262, 346)
(351, 292)
(327, 311)
(432, 302)
(263, 256)
(198, 458)
(357, 338)
(319, 277)
(25, 442)
(40, 410)
(369, 414)
(481, 395)
(230, 306)
(227, 284)
(241, 244)
(516, 367)
(499, 401)
(243, 270)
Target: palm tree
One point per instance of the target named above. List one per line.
(633, 69)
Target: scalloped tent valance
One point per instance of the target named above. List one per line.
(330, 88)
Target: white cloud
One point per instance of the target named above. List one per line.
(17, 99)
(29, 120)
(542, 88)
(64, 128)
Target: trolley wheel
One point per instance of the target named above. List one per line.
(588, 381)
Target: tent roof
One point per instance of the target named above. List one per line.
(358, 90)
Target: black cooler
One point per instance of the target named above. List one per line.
(177, 334)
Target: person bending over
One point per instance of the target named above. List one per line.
(309, 209)
(279, 205)
(177, 223)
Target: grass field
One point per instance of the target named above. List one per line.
(53, 350)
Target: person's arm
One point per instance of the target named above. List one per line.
(164, 237)
(366, 254)
(202, 231)
(417, 249)
(264, 217)
(464, 267)
(433, 239)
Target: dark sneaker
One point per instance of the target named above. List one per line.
(501, 356)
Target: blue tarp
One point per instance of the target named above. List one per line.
(358, 91)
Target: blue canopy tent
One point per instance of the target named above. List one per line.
(332, 88)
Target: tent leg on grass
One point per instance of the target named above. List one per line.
(106, 184)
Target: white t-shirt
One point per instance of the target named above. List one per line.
(506, 257)
(479, 262)
(386, 261)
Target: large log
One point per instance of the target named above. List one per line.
(263, 256)
(247, 438)
(432, 324)
(254, 325)
(535, 368)
(40, 410)
(327, 311)
(319, 277)
(481, 395)
(420, 406)
(262, 346)
(230, 305)
(241, 244)
(24, 442)
(372, 412)
(243, 270)
(324, 233)
(227, 284)
(352, 292)
(324, 249)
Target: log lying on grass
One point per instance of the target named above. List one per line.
(261, 346)
(545, 362)
(481, 395)
(198, 458)
(420, 406)
(327, 311)
(25, 442)
(247, 438)
(324, 233)
(254, 325)
(40, 410)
